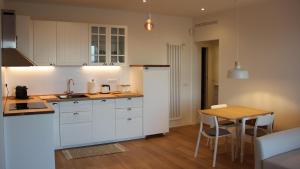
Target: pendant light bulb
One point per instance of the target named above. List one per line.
(149, 24)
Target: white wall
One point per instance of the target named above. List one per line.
(269, 49)
(143, 47)
(53, 80)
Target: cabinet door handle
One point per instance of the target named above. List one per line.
(129, 108)
(54, 103)
(129, 119)
(129, 98)
(103, 100)
(75, 114)
(75, 102)
(84, 64)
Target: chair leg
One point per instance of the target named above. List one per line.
(211, 143)
(198, 141)
(215, 152)
(232, 149)
(208, 140)
(226, 144)
(237, 139)
(253, 142)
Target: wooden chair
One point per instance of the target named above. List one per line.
(214, 132)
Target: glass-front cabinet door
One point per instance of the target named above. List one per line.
(118, 41)
(107, 45)
(98, 44)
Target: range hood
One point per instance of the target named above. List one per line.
(10, 55)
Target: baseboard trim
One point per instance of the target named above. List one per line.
(181, 123)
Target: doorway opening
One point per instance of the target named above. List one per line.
(209, 58)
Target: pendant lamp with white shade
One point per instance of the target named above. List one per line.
(237, 72)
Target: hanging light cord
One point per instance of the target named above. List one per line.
(237, 30)
(148, 6)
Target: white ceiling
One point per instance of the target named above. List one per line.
(187, 8)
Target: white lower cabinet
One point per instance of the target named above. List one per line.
(75, 123)
(98, 121)
(76, 117)
(129, 102)
(129, 128)
(29, 142)
(129, 123)
(56, 125)
(76, 134)
(104, 120)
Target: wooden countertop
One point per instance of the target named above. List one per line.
(54, 98)
(98, 96)
(149, 65)
(9, 101)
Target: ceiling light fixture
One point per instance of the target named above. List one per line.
(148, 23)
(237, 72)
(202, 9)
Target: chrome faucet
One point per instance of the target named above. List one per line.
(69, 91)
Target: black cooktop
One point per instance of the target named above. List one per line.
(24, 106)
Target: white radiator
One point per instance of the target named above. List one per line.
(174, 54)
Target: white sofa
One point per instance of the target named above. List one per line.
(279, 150)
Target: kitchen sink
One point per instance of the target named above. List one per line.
(72, 96)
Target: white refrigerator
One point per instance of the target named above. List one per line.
(153, 81)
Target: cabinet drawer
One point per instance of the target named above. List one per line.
(76, 106)
(74, 134)
(105, 103)
(76, 117)
(129, 102)
(129, 113)
(129, 128)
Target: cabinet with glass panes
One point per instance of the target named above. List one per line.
(107, 45)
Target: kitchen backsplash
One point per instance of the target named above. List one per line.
(50, 80)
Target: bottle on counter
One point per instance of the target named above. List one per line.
(92, 87)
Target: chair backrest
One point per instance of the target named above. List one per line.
(218, 106)
(209, 120)
(266, 120)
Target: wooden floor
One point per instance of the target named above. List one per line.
(173, 151)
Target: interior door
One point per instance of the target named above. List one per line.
(204, 77)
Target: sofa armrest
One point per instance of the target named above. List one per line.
(276, 143)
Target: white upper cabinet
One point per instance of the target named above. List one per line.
(44, 42)
(107, 45)
(98, 45)
(118, 44)
(72, 43)
(24, 31)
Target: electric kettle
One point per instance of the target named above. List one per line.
(105, 89)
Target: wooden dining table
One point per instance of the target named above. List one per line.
(239, 114)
